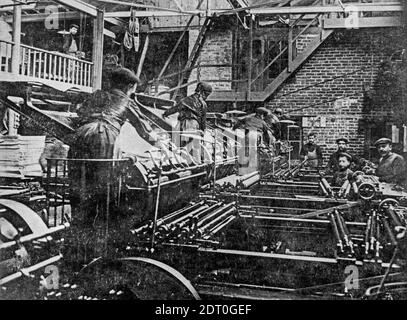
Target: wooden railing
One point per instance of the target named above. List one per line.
(47, 65)
(6, 48)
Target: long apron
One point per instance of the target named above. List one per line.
(312, 158)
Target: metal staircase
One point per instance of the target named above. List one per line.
(295, 64)
(285, 61)
(310, 24)
(266, 75)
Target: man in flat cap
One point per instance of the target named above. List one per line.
(103, 114)
(100, 120)
(392, 166)
(311, 152)
(192, 111)
(333, 163)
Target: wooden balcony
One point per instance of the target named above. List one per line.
(55, 69)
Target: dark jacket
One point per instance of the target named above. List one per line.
(67, 43)
(392, 168)
(192, 107)
(340, 176)
(100, 120)
(333, 162)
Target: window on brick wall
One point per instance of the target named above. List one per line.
(274, 49)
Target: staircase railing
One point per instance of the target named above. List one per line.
(288, 53)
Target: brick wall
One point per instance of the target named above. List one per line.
(216, 50)
(343, 53)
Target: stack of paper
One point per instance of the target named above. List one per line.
(19, 156)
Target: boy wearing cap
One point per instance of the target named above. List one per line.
(392, 167)
(343, 172)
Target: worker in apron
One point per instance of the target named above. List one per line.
(311, 152)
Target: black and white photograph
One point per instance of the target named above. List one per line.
(221, 151)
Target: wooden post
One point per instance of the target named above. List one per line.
(249, 76)
(15, 57)
(97, 55)
(290, 48)
(143, 55)
(235, 59)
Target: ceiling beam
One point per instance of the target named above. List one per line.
(388, 7)
(115, 21)
(79, 6)
(371, 22)
(39, 17)
(42, 16)
(5, 7)
(328, 9)
(155, 13)
(109, 33)
(138, 5)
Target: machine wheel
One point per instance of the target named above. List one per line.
(367, 191)
(22, 217)
(387, 202)
(134, 278)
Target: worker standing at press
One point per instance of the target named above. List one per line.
(311, 152)
(100, 121)
(191, 116)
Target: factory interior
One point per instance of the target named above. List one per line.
(203, 150)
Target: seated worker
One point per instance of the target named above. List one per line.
(333, 163)
(392, 166)
(343, 172)
(311, 152)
